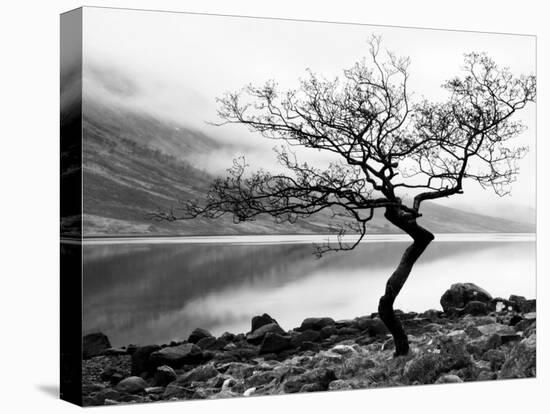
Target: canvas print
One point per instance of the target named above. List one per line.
(257, 206)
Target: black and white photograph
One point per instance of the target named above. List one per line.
(276, 206)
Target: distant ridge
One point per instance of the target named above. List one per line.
(135, 163)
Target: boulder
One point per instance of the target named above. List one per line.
(522, 360)
(315, 323)
(94, 344)
(132, 385)
(328, 331)
(275, 343)
(164, 375)
(198, 334)
(476, 308)
(107, 393)
(140, 359)
(521, 304)
(211, 344)
(373, 326)
(261, 320)
(432, 314)
(460, 294)
(298, 338)
(228, 336)
(177, 356)
(256, 337)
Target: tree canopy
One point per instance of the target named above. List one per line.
(384, 142)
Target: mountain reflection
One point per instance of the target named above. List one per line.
(153, 293)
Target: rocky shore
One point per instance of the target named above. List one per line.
(475, 338)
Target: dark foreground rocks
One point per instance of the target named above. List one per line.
(475, 338)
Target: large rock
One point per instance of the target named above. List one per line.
(177, 356)
(212, 344)
(315, 323)
(522, 304)
(476, 308)
(298, 338)
(94, 344)
(261, 320)
(274, 343)
(256, 337)
(132, 385)
(373, 326)
(140, 359)
(460, 294)
(522, 360)
(198, 334)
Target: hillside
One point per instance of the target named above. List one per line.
(135, 164)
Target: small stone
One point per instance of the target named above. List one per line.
(132, 385)
(200, 373)
(448, 379)
(155, 390)
(320, 376)
(338, 385)
(177, 356)
(344, 349)
(164, 375)
(486, 376)
(101, 396)
(249, 392)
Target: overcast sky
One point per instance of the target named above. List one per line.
(179, 64)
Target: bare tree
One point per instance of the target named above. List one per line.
(383, 145)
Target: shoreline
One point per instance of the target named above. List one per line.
(297, 238)
(475, 338)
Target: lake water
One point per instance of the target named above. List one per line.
(146, 291)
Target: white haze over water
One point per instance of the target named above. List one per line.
(174, 65)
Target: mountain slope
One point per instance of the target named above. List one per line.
(135, 164)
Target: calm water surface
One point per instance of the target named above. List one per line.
(146, 291)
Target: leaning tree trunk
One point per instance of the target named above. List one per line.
(422, 239)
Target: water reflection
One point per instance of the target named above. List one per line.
(152, 293)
